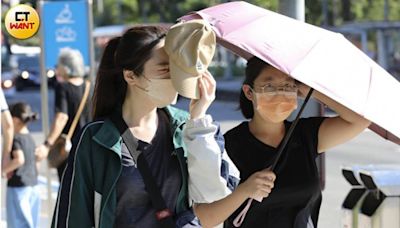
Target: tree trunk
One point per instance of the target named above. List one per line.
(346, 10)
(142, 10)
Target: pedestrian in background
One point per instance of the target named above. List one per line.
(7, 130)
(23, 199)
(68, 96)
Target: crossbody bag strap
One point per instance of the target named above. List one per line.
(80, 109)
(163, 214)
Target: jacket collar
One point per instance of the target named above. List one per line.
(109, 137)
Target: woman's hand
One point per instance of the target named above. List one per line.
(41, 152)
(207, 86)
(259, 185)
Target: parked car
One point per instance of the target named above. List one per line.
(28, 72)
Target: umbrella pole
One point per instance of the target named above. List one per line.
(290, 131)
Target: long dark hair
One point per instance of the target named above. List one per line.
(23, 112)
(253, 69)
(128, 52)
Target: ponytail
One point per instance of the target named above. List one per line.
(110, 86)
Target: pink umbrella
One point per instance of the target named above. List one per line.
(321, 59)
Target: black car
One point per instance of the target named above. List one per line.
(28, 72)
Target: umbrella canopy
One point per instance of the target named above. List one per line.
(321, 59)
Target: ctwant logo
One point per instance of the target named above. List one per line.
(22, 21)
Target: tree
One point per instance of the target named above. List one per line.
(338, 11)
(373, 10)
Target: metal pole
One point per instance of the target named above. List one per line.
(380, 38)
(92, 63)
(325, 13)
(45, 110)
(293, 8)
(386, 10)
(364, 41)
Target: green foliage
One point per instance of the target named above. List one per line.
(128, 11)
(338, 11)
(147, 11)
(314, 12)
(267, 4)
(373, 10)
(359, 10)
(116, 12)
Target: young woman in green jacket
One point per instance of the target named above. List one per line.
(101, 186)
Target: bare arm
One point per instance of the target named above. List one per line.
(60, 120)
(16, 162)
(340, 129)
(217, 212)
(7, 127)
(258, 185)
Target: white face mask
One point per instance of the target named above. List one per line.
(160, 91)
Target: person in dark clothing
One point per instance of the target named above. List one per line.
(23, 199)
(68, 95)
(267, 98)
(103, 185)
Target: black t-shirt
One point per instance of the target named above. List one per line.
(134, 208)
(297, 191)
(67, 99)
(26, 175)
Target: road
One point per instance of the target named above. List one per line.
(367, 148)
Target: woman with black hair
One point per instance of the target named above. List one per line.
(23, 199)
(267, 99)
(102, 185)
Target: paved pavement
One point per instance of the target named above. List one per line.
(367, 148)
